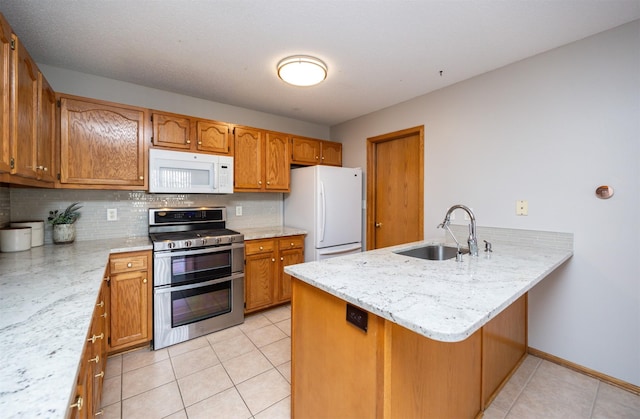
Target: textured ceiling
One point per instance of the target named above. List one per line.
(379, 53)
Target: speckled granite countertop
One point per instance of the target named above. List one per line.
(47, 296)
(269, 232)
(442, 300)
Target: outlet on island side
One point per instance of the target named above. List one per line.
(238, 211)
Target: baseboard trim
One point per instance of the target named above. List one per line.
(586, 371)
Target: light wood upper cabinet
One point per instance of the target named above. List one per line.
(28, 106)
(25, 115)
(102, 144)
(213, 137)
(261, 160)
(276, 162)
(331, 153)
(181, 132)
(6, 60)
(46, 141)
(309, 151)
(248, 159)
(171, 131)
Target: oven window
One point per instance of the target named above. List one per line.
(202, 267)
(190, 306)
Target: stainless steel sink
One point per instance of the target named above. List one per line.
(433, 252)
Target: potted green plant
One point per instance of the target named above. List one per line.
(64, 230)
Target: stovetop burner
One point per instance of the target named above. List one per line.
(181, 228)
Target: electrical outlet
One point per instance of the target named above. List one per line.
(522, 207)
(238, 211)
(112, 214)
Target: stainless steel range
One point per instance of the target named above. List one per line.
(198, 273)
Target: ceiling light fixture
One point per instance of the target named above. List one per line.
(302, 70)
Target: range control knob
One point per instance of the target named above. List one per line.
(204, 242)
(218, 240)
(187, 243)
(171, 245)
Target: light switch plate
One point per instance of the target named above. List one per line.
(522, 207)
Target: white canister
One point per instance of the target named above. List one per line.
(37, 231)
(15, 239)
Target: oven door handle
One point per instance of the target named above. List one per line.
(169, 288)
(211, 249)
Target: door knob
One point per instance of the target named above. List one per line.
(378, 225)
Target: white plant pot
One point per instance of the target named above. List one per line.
(64, 233)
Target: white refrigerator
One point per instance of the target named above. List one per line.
(326, 201)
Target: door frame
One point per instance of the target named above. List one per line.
(372, 143)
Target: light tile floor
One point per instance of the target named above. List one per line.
(244, 372)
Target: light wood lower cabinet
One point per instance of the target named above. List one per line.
(130, 295)
(339, 370)
(266, 284)
(88, 392)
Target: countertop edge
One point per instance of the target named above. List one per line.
(341, 290)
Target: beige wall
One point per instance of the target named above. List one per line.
(548, 129)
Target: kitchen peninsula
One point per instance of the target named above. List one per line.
(440, 336)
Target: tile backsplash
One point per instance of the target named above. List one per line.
(509, 236)
(17, 204)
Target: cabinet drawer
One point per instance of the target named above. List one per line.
(252, 247)
(128, 263)
(291, 242)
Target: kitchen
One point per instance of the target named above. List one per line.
(588, 312)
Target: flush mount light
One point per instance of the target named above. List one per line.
(302, 70)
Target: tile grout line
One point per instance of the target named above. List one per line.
(526, 383)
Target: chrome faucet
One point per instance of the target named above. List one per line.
(473, 239)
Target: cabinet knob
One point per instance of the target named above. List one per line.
(281, 258)
(141, 178)
(261, 247)
(268, 183)
(322, 157)
(129, 265)
(96, 359)
(144, 281)
(273, 260)
(100, 304)
(199, 142)
(188, 141)
(45, 169)
(291, 244)
(378, 225)
(104, 315)
(78, 403)
(100, 375)
(39, 167)
(316, 157)
(259, 182)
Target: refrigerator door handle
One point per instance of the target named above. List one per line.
(323, 201)
(344, 250)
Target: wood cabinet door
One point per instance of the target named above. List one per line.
(6, 60)
(276, 159)
(25, 117)
(259, 280)
(46, 130)
(248, 171)
(130, 309)
(287, 257)
(305, 151)
(213, 137)
(102, 144)
(172, 131)
(331, 153)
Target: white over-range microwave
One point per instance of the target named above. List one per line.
(182, 172)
